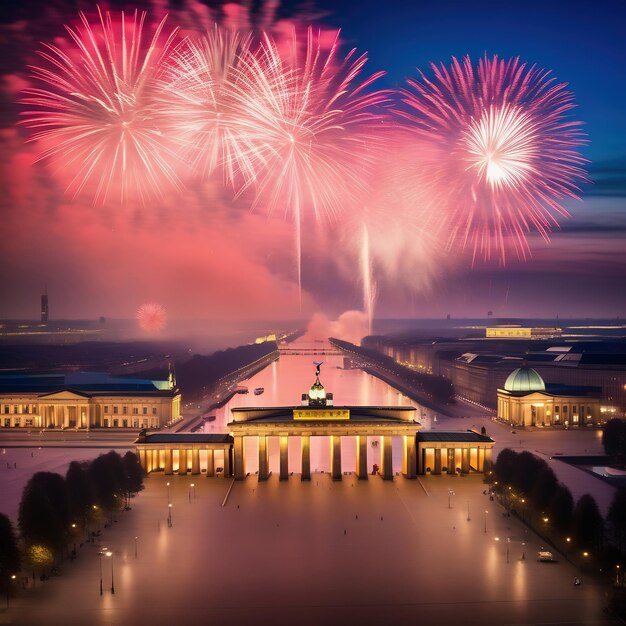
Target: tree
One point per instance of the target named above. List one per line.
(544, 488)
(587, 523)
(560, 509)
(44, 515)
(134, 475)
(504, 467)
(526, 470)
(10, 560)
(40, 557)
(617, 518)
(81, 491)
(109, 478)
(613, 436)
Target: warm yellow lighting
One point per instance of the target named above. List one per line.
(73, 525)
(13, 576)
(545, 519)
(109, 553)
(497, 538)
(193, 485)
(568, 539)
(585, 553)
(169, 505)
(523, 500)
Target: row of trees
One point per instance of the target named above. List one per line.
(614, 441)
(55, 511)
(528, 486)
(194, 376)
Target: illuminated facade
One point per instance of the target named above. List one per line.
(526, 400)
(85, 400)
(317, 416)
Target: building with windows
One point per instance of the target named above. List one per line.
(317, 417)
(526, 400)
(85, 400)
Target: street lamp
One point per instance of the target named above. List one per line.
(168, 492)
(508, 543)
(486, 521)
(136, 546)
(468, 515)
(12, 577)
(100, 557)
(193, 488)
(450, 494)
(110, 554)
(617, 575)
(169, 514)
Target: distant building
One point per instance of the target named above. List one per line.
(87, 400)
(519, 332)
(44, 307)
(526, 400)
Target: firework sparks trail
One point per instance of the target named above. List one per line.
(199, 82)
(98, 116)
(308, 122)
(506, 152)
(367, 278)
(152, 317)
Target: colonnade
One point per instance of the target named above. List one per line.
(409, 457)
(449, 459)
(154, 459)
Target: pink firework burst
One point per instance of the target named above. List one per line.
(308, 120)
(504, 153)
(152, 317)
(198, 80)
(98, 116)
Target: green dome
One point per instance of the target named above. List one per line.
(524, 379)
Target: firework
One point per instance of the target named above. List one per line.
(504, 153)
(98, 115)
(307, 119)
(151, 317)
(199, 80)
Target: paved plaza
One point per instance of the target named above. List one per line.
(349, 552)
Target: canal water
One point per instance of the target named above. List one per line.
(285, 380)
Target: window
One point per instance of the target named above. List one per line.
(125, 410)
(145, 410)
(135, 411)
(574, 409)
(115, 410)
(154, 411)
(556, 409)
(564, 409)
(106, 408)
(6, 409)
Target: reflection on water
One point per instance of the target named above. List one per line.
(287, 379)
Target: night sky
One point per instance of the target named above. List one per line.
(201, 258)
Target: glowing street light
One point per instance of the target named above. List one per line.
(168, 493)
(169, 514)
(450, 494)
(12, 577)
(110, 555)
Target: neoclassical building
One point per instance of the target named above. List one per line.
(84, 400)
(527, 400)
(316, 417)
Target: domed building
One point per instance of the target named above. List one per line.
(527, 400)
